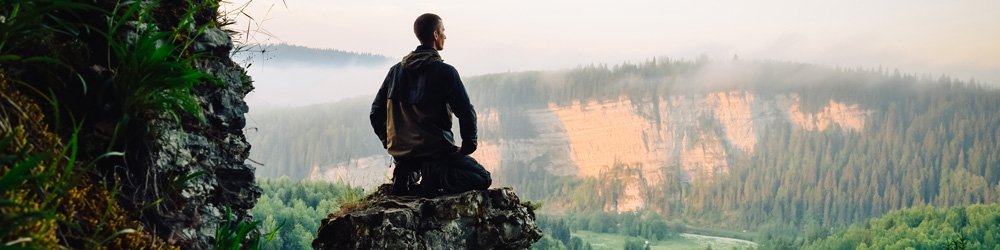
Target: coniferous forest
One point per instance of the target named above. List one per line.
(929, 141)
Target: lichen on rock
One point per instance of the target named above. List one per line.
(487, 219)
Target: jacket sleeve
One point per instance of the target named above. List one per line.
(378, 112)
(458, 99)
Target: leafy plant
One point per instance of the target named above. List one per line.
(46, 200)
(241, 235)
(28, 29)
(17, 214)
(150, 75)
(38, 192)
(21, 19)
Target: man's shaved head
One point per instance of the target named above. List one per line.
(424, 27)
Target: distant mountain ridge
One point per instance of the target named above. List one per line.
(287, 54)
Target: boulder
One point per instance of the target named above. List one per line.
(487, 219)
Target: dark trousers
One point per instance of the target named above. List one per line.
(440, 175)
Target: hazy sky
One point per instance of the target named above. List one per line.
(959, 37)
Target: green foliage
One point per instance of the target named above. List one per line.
(151, 75)
(548, 243)
(958, 244)
(23, 173)
(926, 140)
(635, 244)
(242, 235)
(43, 198)
(576, 243)
(43, 43)
(322, 129)
(921, 145)
(927, 227)
(297, 208)
(152, 72)
(25, 21)
(777, 235)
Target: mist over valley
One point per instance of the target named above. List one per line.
(291, 75)
(778, 125)
(708, 141)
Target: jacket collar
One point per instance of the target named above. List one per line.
(421, 57)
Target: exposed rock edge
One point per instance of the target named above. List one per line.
(488, 219)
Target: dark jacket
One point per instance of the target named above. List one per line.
(412, 113)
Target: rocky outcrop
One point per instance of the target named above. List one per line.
(202, 165)
(214, 154)
(490, 219)
(849, 117)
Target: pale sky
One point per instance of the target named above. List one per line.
(960, 38)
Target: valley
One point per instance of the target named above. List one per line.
(770, 149)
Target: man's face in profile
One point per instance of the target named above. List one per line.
(439, 37)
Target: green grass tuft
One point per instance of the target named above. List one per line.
(151, 77)
(241, 235)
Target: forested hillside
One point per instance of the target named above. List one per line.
(927, 141)
(291, 142)
(936, 145)
(816, 146)
(295, 208)
(926, 227)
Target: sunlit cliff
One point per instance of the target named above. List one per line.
(701, 133)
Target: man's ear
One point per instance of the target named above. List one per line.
(437, 35)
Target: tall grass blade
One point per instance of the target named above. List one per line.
(19, 173)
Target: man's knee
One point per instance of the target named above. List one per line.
(485, 181)
(475, 172)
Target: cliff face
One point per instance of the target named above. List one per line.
(700, 133)
(490, 219)
(145, 109)
(214, 154)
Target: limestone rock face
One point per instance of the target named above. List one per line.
(490, 219)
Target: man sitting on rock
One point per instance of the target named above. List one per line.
(412, 116)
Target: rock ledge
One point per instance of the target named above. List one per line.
(489, 219)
